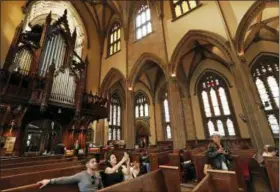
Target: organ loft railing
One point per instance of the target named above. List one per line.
(42, 68)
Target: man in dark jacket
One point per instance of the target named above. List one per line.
(218, 155)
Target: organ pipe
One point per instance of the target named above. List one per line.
(23, 61)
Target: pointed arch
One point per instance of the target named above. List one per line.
(207, 36)
(141, 61)
(247, 19)
(113, 76)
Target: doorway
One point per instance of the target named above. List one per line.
(42, 136)
(142, 134)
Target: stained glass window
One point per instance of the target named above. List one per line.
(114, 132)
(141, 106)
(265, 73)
(166, 117)
(216, 109)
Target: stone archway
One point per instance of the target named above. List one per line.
(142, 133)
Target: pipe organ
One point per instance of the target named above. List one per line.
(22, 61)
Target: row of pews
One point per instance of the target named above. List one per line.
(21, 174)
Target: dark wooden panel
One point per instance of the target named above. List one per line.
(272, 167)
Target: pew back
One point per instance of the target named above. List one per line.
(29, 178)
(218, 181)
(272, 167)
(164, 179)
(30, 159)
(157, 159)
(35, 168)
(44, 162)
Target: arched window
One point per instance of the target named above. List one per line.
(114, 38)
(141, 106)
(180, 7)
(216, 105)
(114, 132)
(266, 77)
(166, 117)
(143, 22)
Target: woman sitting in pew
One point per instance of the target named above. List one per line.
(218, 155)
(115, 172)
(88, 180)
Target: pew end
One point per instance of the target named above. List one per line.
(219, 181)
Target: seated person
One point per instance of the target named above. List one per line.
(144, 158)
(134, 171)
(218, 155)
(269, 151)
(114, 171)
(88, 180)
(188, 168)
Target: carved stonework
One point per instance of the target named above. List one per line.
(247, 19)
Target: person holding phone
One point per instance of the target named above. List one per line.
(218, 155)
(115, 171)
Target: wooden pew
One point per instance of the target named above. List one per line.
(241, 159)
(272, 168)
(35, 168)
(199, 161)
(165, 179)
(203, 185)
(50, 188)
(219, 181)
(44, 162)
(29, 178)
(157, 159)
(30, 159)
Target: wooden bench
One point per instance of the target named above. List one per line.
(164, 179)
(30, 159)
(272, 168)
(219, 181)
(157, 159)
(44, 162)
(29, 178)
(50, 188)
(35, 168)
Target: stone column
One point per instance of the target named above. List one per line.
(177, 115)
(99, 139)
(130, 122)
(189, 120)
(257, 123)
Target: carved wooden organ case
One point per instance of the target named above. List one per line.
(43, 69)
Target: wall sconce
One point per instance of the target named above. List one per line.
(173, 75)
(242, 117)
(130, 88)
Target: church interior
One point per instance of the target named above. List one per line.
(140, 95)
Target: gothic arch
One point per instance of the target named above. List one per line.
(247, 19)
(212, 38)
(112, 77)
(142, 61)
